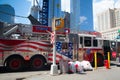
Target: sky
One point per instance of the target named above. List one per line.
(22, 8)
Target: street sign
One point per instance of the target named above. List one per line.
(59, 23)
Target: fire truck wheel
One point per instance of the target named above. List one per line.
(37, 63)
(15, 63)
(100, 60)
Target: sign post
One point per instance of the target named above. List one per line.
(54, 67)
(57, 24)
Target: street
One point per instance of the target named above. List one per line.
(101, 73)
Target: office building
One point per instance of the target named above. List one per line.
(86, 12)
(81, 9)
(54, 10)
(7, 13)
(66, 16)
(108, 23)
(74, 15)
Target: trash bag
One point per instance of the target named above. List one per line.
(79, 67)
(63, 66)
(72, 68)
(86, 65)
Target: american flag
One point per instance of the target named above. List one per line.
(33, 46)
(67, 55)
(24, 45)
(52, 37)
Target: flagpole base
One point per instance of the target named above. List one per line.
(54, 69)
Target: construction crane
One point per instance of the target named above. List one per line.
(39, 15)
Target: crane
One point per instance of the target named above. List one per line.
(39, 15)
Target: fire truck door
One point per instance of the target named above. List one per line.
(75, 51)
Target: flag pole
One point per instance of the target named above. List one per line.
(54, 67)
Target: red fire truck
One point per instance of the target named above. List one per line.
(30, 45)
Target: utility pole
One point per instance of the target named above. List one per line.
(57, 24)
(54, 67)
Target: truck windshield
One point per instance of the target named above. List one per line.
(87, 41)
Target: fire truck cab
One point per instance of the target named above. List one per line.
(85, 45)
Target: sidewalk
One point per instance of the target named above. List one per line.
(117, 63)
(45, 75)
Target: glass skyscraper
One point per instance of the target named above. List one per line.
(74, 15)
(81, 9)
(7, 13)
(86, 11)
(54, 10)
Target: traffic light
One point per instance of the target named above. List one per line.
(59, 23)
